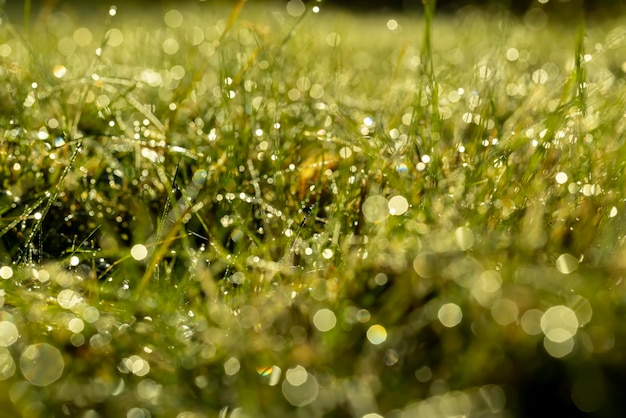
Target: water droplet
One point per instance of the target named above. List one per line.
(136, 365)
(561, 177)
(41, 364)
(558, 349)
(8, 333)
(504, 312)
(381, 279)
(423, 374)
(559, 323)
(424, 264)
(363, 316)
(398, 205)
(295, 8)
(375, 209)
(59, 71)
(76, 325)
(450, 315)
(173, 18)
(114, 37)
(6, 272)
(139, 252)
(566, 263)
(392, 25)
(324, 320)
(91, 314)
(376, 334)
(464, 238)
(232, 366)
(74, 261)
(300, 387)
(7, 365)
(68, 299)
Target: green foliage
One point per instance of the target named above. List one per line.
(298, 212)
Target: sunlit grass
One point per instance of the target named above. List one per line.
(281, 211)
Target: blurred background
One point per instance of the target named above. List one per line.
(595, 7)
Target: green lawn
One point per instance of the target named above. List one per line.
(293, 212)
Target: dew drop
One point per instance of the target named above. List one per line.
(232, 366)
(67, 299)
(376, 334)
(41, 364)
(300, 388)
(450, 315)
(464, 238)
(59, 71)
(398, 205)
(139, 252)
(7, 365)
(8, 333)
(559, 323)
(375, 209)
(6, 272)
(566, 263)
(324, 320)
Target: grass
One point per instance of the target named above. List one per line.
(289, 213)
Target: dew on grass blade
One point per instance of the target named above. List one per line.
(41, 364)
